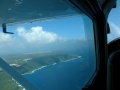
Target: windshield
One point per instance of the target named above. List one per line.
(114, 23)
(56, 54)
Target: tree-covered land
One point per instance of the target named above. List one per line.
(26, 63)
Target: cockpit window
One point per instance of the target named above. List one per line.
(55, 54)
(114, 22)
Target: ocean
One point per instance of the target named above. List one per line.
(70, 75)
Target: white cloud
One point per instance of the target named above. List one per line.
(114, 31)
(35, 39)
(7, 43)
(37, 35)
(5, 39)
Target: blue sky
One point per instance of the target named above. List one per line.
(56, 32)
(114, 21)
(70, 27)
(38, 35)
(115, 14)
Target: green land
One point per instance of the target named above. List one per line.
(26, 63)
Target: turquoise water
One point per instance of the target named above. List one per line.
(71, 75)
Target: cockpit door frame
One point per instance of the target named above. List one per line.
(98, 15)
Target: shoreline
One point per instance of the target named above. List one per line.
(44, 67)
(19, 85)
(50, 65)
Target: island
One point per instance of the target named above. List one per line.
(29, 62)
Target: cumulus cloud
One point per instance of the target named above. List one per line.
(37, 35)
(5, 39)
(7, 43)
(35, 40)
(114, 31)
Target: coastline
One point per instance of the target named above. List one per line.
(50, 65)
(44, 67)
(19, 85)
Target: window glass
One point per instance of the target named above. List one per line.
(57, 54)
(114, 23)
